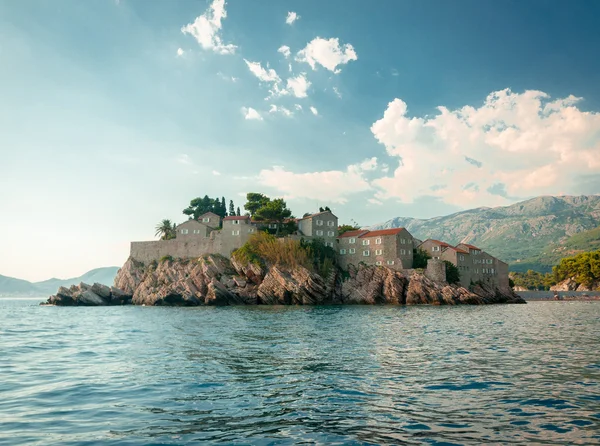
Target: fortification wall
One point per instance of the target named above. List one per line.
(146, 252)
(436, 270)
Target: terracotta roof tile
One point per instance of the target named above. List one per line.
(236, 217)
(356, 233)
(392, 231)
(470, 246)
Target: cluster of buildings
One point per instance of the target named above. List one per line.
(393, 248)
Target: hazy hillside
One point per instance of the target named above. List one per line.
(528, 234)
(16, 287)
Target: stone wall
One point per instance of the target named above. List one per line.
(436, 270)
(146, 252)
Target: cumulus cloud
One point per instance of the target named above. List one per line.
(291, 18)
(298, 107)
(180, 52)
(250, 113)
(327, 53)
(314, 110)
(513, 145)
(206, 29)
(298, 85)
(281, 110)
(285, 50)
(264, 75)
(334, 186)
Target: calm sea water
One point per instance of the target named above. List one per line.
(287, 375)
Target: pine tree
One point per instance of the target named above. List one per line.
(231, 208)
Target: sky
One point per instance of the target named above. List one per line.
(114, 114)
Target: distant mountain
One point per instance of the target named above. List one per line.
(531, 234)
(10, 286)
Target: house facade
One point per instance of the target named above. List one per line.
(211, 220)
(320, 225)
(388, 247)
(434, 248)
(192, 229)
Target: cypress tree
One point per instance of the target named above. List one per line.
(231, 208)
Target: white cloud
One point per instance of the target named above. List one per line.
(298, 85)
(337, 92)
(282, 110)
(327, 53)
(206, 29)
(250, 113)
(264, 75)
(227, 78)
(314, 111)
(285, 50)
(184, 158)
(216, 173)
(180, 52)
(514, 145)
(298, 106)
(375, 201)
(291, 17)
(334, 186)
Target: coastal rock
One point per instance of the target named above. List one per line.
(566, 285)
(84, 295)
(89, 298)
(214, 280)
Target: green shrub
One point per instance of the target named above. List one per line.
(452, 272)
(165, 259)
(420, 258)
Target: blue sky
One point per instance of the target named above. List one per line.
(114, 114)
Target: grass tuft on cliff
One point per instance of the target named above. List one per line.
(266, 249)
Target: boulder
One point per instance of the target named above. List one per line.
(89, 298)
(101, 290)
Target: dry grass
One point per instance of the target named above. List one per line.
(274, 251)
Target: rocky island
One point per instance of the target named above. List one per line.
(216, 280)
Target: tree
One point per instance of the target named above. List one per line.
(223, 208)
(238, 213)
(199, 206)
(255, 201)
(275, 210)
(231, 208)
(420, 258)
(452, 272)
(325, 209)
(165, 229)
(346, 228)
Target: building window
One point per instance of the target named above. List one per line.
(330, 223)
(366, 253)
(461, 257)
(352, 240)
(435, 248)
(251, 230)
(206, 219)
(378, 241)
(235, 232)
(319, 232)
(378, 262)
(351, 251)
(492, 271)
(236, 222)
(330, 244)
(378, 252)
(390, 262)
(330, 233)
(184, 231)
(403, 241)
(366, 242)
(342, 251)
(489, 261)
(436, 258)
(403, 252)
(319, 222)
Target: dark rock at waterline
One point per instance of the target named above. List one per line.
(89, 296)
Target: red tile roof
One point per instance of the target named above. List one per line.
(470, 246)
(381, 232)
(356, 233)
(461, 251)
(444, 244)
(237, 217)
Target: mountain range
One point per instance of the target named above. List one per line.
(10, 286)
(533, 234)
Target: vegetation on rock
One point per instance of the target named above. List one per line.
(420, 258)
(452, 272)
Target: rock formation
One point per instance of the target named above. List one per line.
(215, 280)
(89, 295)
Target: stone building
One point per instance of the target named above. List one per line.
(192, 229)
(211, 220)
(462, 260)
(433, 247)
(320, 225)
(387, 247)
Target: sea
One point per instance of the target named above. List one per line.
(274, 375)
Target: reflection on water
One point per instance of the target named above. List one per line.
(258, 375)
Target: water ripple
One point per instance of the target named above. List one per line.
(287, 375)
